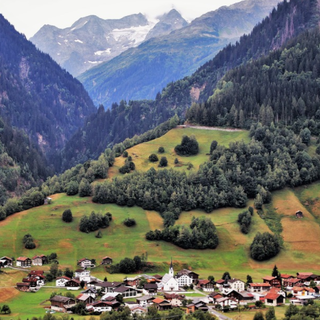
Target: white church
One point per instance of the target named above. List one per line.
(168, 282)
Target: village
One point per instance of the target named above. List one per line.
(167, 291)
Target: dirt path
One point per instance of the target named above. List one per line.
(210, 128)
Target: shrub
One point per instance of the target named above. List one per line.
(67, 215)
(129, 222)
(161, 150)
(153, 157)
(28, 241)
(163, 162)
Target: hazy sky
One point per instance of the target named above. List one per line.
(28, 16)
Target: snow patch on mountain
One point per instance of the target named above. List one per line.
(135, 35)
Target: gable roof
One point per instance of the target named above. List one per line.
(272, 296)
(58, 298)
(23, 258)
(267, 285)
(269, 278)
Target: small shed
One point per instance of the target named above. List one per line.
(299, 214)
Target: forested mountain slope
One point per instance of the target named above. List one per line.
(281, 87)
(22, 164)
(36, 95)
(135, 117)
(139, 73)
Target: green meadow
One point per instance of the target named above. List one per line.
(140, 153)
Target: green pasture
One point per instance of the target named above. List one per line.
(140, 153)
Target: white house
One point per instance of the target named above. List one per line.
(168, 282)
(258, 287)
(61, 281)
(82, 275)
(232, 284)
(184, 280)
(99, 306)
(85, 263)
(225, 301)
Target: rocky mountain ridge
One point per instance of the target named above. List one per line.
(92, 40)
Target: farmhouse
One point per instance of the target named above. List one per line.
(161, 304)
(126, 291)
(150, 289)
(23, 262)
(232, 284)
(61, 281)
(132, 281)
(145, 300)
(200, 305)
(61, 303)
(85, 263)
(100, 306)
(258, 287)
(137, 310)
(5, 262)
(23, 286)
(106, 260)
(82, 275)
(39, 260)
(108, 286)
(274, 299)
(175, 299)
(205, 285)
(72, 284)
(273, 281)
(85, 298)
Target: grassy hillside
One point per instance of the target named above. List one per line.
(141, 152)
(51, 234)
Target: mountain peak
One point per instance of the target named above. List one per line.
(168, 22)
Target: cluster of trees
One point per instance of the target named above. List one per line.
(189, 146)
(244, 219)
(311, 311)
(55, 272)
(95, 221)
(128, 265)
(264, 246)
(201, 234)
(28, 241)
(128, 166)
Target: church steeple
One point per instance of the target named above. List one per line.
(171, 272)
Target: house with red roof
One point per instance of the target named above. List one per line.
(205, 285)
(161, 304)
(23, 262)
(273, 281)
(274, 297)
